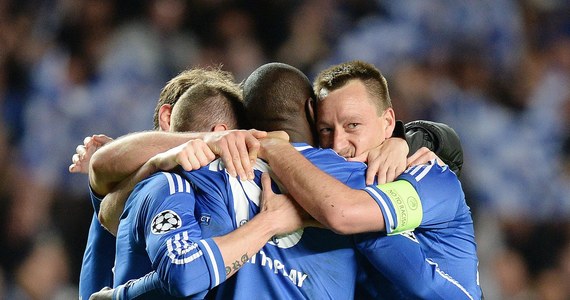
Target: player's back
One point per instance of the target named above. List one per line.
(310, 263)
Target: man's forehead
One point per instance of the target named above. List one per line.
(347, 98)
(346, 110)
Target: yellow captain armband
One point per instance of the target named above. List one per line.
(406, 203)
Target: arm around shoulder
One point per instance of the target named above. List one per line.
(332, 203)
(120, 158)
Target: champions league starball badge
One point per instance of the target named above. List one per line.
(165, 221)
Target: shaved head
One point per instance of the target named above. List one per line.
(276, 97)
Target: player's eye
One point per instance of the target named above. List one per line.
(352, 125)
(325, 130)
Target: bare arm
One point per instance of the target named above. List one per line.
(117, 160)
(329, 201)
(191, 156)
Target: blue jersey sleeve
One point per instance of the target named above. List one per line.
(426, 196)
(98, 260)
(99, 256)
(95, 200)
(147, 287)
(185, 264)
(401, 259)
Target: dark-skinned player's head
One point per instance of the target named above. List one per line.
(278, 96)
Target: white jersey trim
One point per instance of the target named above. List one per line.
(175, 180)
(301, 148)
(213, 260)
(424, 172)
(170, 180)
(449, 278)
(425, 168)
(390, 224)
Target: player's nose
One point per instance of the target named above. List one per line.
(340, 142)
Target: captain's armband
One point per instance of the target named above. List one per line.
(400, 204)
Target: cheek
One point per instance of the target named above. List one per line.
(366, 142)
(358, 142)
(359, 145)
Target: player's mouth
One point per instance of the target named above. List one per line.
(347, 152)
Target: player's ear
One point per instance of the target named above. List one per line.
(219, 127)
(310, 107)
(164, 114)
(389, 119)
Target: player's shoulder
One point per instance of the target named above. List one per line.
(430, 173)
(310, 151)
(212, 176)
(164, 183)
(162, 191)
(331, 162)
(318, 154)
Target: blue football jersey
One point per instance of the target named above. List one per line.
(308, 264)
(158, 235)
(98, 258)
(428, 203)
(293, 266)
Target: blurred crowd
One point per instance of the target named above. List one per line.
(497, 71)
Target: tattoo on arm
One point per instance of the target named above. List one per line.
(236, 265)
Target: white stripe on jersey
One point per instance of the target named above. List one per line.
(448, 278)
(213, 260)
(183, 184)
(239, 193)
(391, 224)
(170, 182)
(301, 148)
(425, 168)
(261, 166)
(413, 170)
(244, 191)
(187, 186)
(241, 203)
(179, 182)
(424, 172)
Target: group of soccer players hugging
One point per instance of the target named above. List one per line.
(278, 188)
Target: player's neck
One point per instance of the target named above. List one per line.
(301, 137)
